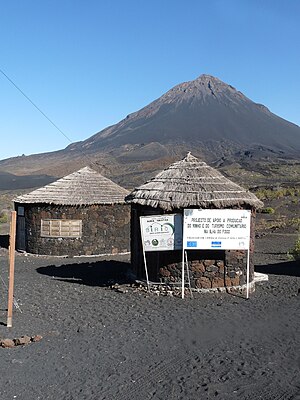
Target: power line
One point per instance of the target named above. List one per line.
(34, 105)
(44, 115)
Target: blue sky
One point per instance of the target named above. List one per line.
(88, 63)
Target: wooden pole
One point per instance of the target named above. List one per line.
(12, 246)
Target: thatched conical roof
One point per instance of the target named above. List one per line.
(84, 187)
(192, 183)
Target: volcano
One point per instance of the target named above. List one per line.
(212, 119)
(206, 114)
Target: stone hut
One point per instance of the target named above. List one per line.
(191, 183)
(83, 213)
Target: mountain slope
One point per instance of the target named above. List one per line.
(206, 116)
(203, 112)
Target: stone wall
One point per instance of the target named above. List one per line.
(209, 269)
(105, 229)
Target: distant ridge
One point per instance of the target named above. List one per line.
(207, 116)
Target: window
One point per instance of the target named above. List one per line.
(61, 228)
(21, 211)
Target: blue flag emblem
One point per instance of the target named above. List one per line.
(191, 244)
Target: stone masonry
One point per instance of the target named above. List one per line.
(105, 229)
(218, 270)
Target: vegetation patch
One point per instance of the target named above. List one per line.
(271, 193)
(3, 217)
(268, 210)
(294, 253)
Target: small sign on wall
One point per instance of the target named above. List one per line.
(161, 232)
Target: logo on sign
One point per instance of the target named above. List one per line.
(216, 244)
(191, 244)
(157, 228)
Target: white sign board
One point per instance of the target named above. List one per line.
(161, 232)
(216, 229)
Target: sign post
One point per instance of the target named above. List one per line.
(182, 274)
(145, 262)
(160, 233)
(225, 229)
(248, 274)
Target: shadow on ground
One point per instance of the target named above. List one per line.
(290, 268)
(100, 273)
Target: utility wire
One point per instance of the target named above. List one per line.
(51, 122)
(34, 105)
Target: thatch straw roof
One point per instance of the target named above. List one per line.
(84, 187)
(189, 183)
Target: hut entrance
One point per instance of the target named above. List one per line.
(21, 243)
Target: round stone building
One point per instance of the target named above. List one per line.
(83, 213)
(189, 184)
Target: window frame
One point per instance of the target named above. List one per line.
(61, 228)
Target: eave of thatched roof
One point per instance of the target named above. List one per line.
(84, 187)
(192, 183)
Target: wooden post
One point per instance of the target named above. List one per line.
(12, 246)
